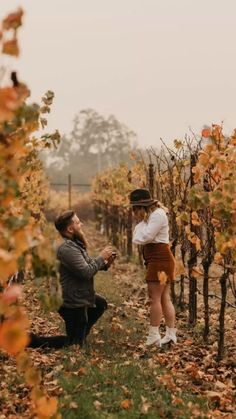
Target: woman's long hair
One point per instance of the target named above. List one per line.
(148, 210)
(145, 211)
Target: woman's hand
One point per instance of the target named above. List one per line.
(139, 214)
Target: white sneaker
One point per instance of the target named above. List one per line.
(153, 336)
(169, 336)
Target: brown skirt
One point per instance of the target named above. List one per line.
(158, 258)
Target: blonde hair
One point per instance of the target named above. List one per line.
(145, 211)
(153, 207)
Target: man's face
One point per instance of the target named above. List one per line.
(75, 227)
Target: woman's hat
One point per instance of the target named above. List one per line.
(141, 197)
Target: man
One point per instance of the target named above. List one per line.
(81, 307)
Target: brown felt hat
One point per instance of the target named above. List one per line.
(141, 197)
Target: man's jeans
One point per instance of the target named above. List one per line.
(78, 323)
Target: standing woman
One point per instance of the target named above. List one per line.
(152, 231)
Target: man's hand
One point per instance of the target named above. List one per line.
(106, 253)
(109, 261)
(111, 258)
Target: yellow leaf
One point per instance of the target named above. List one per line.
(179, 267)
(198, 244)
(178, 144)
(73, 405)
(162, 277)
(97, 404)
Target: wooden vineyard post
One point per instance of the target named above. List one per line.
(223, 285)
(69, 191)
(129, 223)
(151, 173)
(115, 225)
(192, 260)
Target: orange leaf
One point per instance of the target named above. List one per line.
(8, 103)
(214, 396)
(126, 404)
(8, 265)
(188, 342)
(81, 371)
(23, 361)
(32, 377)
(21, 241)
(11, 47)
(11, 294)
(46, 407)
(13, 20)
(218, 258)
(13, 338)
(206, 132)
(10, 99)
(195, 219)
(195, 272)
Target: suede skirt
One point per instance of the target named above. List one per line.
(158, 258)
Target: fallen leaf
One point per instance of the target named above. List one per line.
(97, 404)
(126, 404)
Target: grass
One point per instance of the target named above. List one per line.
(113, 378)
(100, 394)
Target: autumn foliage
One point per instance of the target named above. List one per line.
(23, 190)
(196, 182)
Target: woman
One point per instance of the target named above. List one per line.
(152, 231)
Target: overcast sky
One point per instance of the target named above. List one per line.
(160, 66)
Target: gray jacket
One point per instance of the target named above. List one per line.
(77, 270)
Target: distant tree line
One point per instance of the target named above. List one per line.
(94, 144)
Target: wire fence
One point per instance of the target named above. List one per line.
(68, 187)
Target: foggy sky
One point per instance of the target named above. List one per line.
(160, 66)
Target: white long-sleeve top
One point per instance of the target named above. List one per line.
(154, 230)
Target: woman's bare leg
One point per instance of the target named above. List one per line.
(155, 290)
(167, 307)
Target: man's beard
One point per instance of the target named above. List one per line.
(81, 237)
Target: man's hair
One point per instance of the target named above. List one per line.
(64, 220)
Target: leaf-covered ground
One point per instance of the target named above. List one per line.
(113, 376)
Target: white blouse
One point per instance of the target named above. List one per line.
(155, 230)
